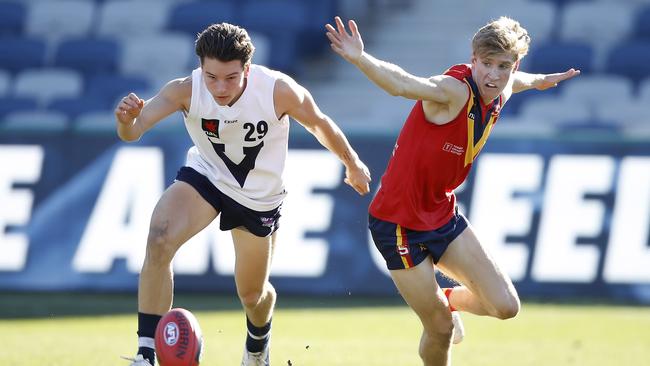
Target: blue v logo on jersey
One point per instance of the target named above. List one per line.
(239, 171)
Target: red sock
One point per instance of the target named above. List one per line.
(447, 294)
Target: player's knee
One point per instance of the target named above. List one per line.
(508, 308)
(440, 327)
(160, 249)
(253, 297)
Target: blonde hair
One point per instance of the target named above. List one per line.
(504, 35)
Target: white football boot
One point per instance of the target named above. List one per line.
(138, 360)
(256, 358)
(459, 329)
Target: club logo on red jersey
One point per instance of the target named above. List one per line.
(454, 149)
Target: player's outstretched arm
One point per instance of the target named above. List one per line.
(524, 81)
(136, 116)
(293, 99)
(390, 77)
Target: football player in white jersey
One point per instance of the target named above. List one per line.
(237, 116)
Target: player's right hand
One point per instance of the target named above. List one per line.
(129, 108)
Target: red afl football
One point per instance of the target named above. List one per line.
(178, 339)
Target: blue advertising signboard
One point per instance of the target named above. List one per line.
(565, 218)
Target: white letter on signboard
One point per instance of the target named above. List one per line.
(119, 223)
(495, 213)
(628, 254)
(566, 215)
(304, 211)
(16, 204)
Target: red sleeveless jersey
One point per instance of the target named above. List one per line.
(429, 161)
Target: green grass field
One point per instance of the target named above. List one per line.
(325, 333)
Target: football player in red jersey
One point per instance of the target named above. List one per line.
(414, 221)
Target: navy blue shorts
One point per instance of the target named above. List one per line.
(403, 248)
(233, 214)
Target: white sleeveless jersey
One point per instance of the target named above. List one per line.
(241, 149)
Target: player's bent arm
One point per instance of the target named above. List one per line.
(396, 81)
(293, 99)
(174, 96)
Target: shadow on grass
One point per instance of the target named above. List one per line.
(21, 305)
(15, 305)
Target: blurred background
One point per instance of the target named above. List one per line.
(560, 194)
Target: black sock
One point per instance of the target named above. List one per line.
(147, 324)
(257, 337)
(148, 354)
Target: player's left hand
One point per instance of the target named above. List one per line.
(348, 45)
(551, 80)
(358, 177)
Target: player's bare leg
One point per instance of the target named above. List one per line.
(253, 257)
(180, 213)
(419, 288)
(485, 289)
(459, 328)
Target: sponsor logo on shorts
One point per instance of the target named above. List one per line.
(267, 221)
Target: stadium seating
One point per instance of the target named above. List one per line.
(598, 89)
(287, 16)
(262, 48)
(54, 20)
(109, 88)
(74, 106)
(642, 24)
(47, 84)
(559, 56)
(285, 40)
(644, 90)
(95, 122)
(25, 53)
(12, 18)
(513, 104)
(623, 112)
(630, 59)
(554, 110)
(5, 82)
(584, 21)
(192, 17)
(537, 17)
(125, 18)
(90, 56)
(159, 58)
(311, 37)
(11, 104)
(34, 121)
(111, 47)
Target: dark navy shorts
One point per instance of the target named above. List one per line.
(403, 248)
(233, 214)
